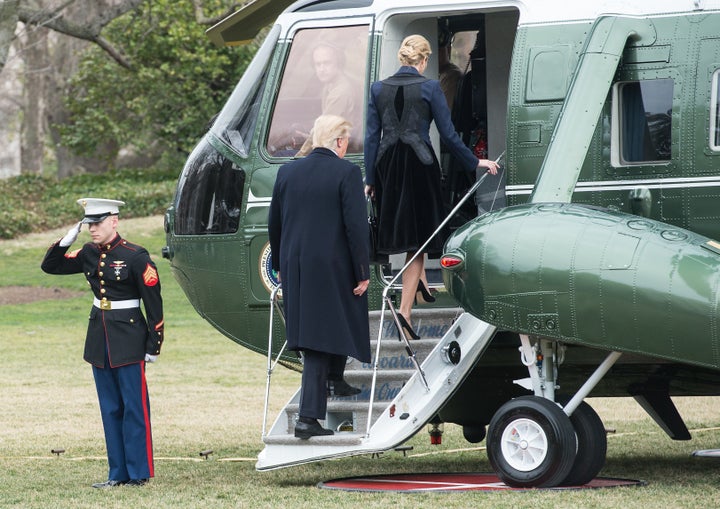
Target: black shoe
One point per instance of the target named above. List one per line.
(110, 483)
(136, 482)
(341, 389)
(306, 430)
(406, 327)
(423, 294)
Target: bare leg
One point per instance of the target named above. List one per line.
(410, 279)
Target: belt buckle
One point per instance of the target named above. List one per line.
(105, 304)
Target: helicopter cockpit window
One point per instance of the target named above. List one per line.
(645, 121)
(324, 74)
(236, 122)
(209, 195)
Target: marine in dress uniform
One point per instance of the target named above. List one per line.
(120, 340)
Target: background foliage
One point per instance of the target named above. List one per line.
(34, 203)
(163, 105)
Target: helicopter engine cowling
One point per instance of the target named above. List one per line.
(590, 276)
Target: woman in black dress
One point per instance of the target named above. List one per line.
(402, 173)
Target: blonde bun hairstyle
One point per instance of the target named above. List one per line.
(413, 50)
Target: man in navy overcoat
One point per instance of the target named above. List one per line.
(319, 240)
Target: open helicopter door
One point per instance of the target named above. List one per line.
(471, 56)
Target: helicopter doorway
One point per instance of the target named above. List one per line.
(475, 46)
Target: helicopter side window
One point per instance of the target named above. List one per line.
(715, 112)
(645, 121)
(209, 194)
(324, 74)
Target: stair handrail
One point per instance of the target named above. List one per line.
(274, 304)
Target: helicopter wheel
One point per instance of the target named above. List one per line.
(531, 443)
(591, 445)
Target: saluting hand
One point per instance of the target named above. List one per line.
(71, 236)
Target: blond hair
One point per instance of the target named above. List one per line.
(413, 50)
(326, 129)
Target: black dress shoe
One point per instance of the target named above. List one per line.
(306, 430)
(110, 483)
(341, 388)
(136, 482)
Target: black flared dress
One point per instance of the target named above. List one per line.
(400, 162)
(409, 202)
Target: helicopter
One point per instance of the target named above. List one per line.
(586, 267)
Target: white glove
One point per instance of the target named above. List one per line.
(71, 235)
(150, 358)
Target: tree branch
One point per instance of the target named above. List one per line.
(110, 50)
(88, 31)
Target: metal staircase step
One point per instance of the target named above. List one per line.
(353, 413)
(343, 438)
(428, 323)
(393, 354)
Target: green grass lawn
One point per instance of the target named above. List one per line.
(207, 393)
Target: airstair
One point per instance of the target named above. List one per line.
(405, 396)
(409, 381)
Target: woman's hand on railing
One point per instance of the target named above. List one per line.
(492, 166)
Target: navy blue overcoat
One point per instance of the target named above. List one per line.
(319, 240)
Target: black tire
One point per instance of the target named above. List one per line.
(531, 443)
(591, 445)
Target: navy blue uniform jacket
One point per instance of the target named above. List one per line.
(118, 270)
(434, 96)
(319, 241)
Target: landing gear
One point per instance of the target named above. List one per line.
(531, 443)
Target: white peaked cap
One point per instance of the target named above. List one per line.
(97, 209)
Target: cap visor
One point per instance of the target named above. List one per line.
(94, 219)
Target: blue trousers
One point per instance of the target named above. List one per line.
(125, 411)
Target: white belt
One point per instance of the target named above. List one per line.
(115, 304)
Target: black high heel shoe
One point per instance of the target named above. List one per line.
(406, 326)
(424, 293)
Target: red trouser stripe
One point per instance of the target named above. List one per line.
(146, 412)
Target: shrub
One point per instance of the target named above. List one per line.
(33, 203)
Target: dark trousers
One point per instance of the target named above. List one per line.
(125, 411)
(318, 367)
